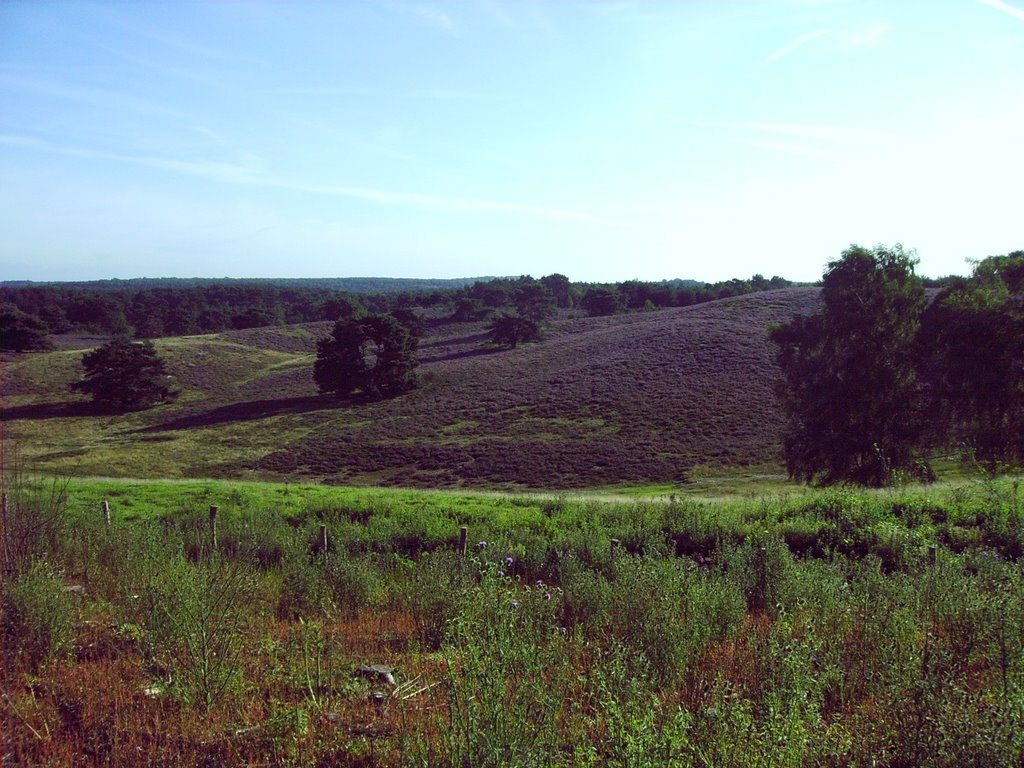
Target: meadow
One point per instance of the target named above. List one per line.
(638, 399)
(834, 628)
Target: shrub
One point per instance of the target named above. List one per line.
(586, 597)
(38, 618)
(508, 674)
(34, 520)
(353, 583)
(626, 716)
(304, 592)
(435, 591)
(649, 598)
(761, 567)
(196, 614)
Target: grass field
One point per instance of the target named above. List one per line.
(830, 628)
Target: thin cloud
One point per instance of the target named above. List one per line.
(437, 18)
(188, 46)
(448, 94)
(252, 173)
(430, 15)
(869, 37)
(248, 172)
(818, 132)
(999, 5)
(323, 90)
(90, 96)
(530, 18)
(214, 136)
(864, 38)
(793, 45)
(788, 147)
(435, 202)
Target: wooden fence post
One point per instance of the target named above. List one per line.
(5, 536)
(463, 538)
(105, 506)
(323, 539)
(213, 525)
(933, 554)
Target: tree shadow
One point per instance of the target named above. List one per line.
(474, 352)
(455, 341)
(40, 411)
(247, 411)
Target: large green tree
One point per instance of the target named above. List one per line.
(849, 381)
(375, 354)
(124, 375)
(972, 345)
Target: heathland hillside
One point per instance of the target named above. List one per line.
(636, 399)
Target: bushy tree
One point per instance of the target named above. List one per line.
(21, 332)
(468, 310)
(533, 300)
(374, 354)
(124, 375)
(513, 330)
(601, 301)
(850, 387)
(560, 288)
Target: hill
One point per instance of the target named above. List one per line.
(630, 399)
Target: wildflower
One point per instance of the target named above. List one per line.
(547, 595)
(540, 583)
(482, 545)
(515, 603)
(509, 561)
(501, 574)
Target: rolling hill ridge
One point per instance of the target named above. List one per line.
(629, 399)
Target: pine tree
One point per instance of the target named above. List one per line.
(124, 375)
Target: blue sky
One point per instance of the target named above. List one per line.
(603, 140)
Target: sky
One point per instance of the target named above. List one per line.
(604, 140)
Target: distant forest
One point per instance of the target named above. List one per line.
(344, 284)
(151, 308)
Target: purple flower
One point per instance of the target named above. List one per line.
(547, 595)
(540, 583)
(515, 603)
(482, 545)
(509, 561)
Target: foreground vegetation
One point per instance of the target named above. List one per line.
(819, 629)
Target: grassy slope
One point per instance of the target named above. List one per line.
(638, 399)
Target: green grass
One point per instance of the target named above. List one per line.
(785, 630)
(862, 518)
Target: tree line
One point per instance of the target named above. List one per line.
(885, 376)
(147, 309)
